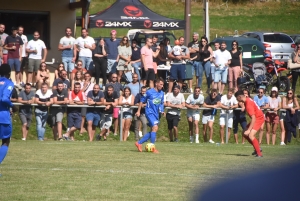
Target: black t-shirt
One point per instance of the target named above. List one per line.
(61, 95)
(136, 54)
(117, 87)
(98, 50)
(65, 82)
(95, 97)
(235, 59)
(209, 101)
(14, 93)
(137, 99)
(110, 99)
(194, 45)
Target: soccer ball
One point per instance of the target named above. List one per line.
(150, 147)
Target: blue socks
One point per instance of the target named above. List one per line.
(147, 136)
(3, 152)
(153, 137)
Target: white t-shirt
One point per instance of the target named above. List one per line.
(25, 40)
(192, 101)
(274, 103)
(65, 41)
(178, 100)
(177, 50)
(85, 52)
(222, 58)
(228, 102)
(39, 45)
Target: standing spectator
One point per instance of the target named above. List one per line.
(26, 97)
(76, 69)
(117, 87)
(134, 86)
(24, 62)
(272, 118)
(193, 103)
(235, 66)
(66, 46)
(100, 61)
(178, 66)
(228, 102)
(110, 101)
(64, 79)
(212, 65)
(1, 52)
(14, 45)
(147, 63)
(195, 59)
(85, 46)
(112, 57)
(42, 76)
(3, 38)
(76, 97)
(212, 101)
(124, 51)
(290, 103)
(176, 101)
(43, 97)
(295, 72)
(154, 48)
(142, 116)
(58, 70)
(35, 48)
(78, 78)
(282, 116)
(60, 97)
(262, 101)
(126, 101)
(206, 54)
(222, 60)
(162, 57)
(94, 98)
(136, 58)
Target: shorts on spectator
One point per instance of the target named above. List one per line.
(282, 116)
(194, 115)
(148, 75)
(111, 66)
(33, 65)
(5, 131)
(57, 117)
(83, 111)
(69, 65)
(107, 121)
(223, 120)
(116, 112)
(122, 67)
(74, 120)
(206, 119)
(26, 119)
(221, 75)
(177, 72)
(127, 115)
(15, 64)
(272, 117)
(94, 117)
(172, 120)
(24, 63)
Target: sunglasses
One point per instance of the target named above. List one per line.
(79, 64)
(135, 77)
(197, 91)
(43, 65)
(234, 44)
(61, 66)
(125, 39)
(203, 41)
(63, 74)
(290, 93)
(260, 92)
(114, 77)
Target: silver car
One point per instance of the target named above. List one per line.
(278, 46)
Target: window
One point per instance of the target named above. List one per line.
(277, 38)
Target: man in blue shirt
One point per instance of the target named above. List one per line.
(155, 106)
(135, 86)
(6, 87)
(112, 46)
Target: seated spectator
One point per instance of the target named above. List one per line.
(110, 101)
(100, 61)
(60, 97)
(263, 102)
(176, 101)
(94, 98)
(64, 79)
(142, 118)
(76, 97)
(135, 86)
(193, 103)
(58, 70)
(136, 58)
(228, 102)
(78, 78)
(212, 101)
(26, 97)
(77, 68)
(126, 100)
(124, 51)
(43, 97)
(43, 75)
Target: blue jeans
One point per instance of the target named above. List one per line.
(87, 63)
(136, 67)
(195, 69)
(41, 120)
(204, 66)
(69, 65)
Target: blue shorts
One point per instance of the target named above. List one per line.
(221, 75)
(127, 115)
(177, 72)
(15, 64)
(5, 131)
(95, 118)
(152, 120)
(74, 120)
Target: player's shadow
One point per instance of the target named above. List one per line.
(237, 154)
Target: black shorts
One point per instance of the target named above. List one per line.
(148, 75)
(24, 63)
(172, 121)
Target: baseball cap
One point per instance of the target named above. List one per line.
(113, 32)
(274, 89)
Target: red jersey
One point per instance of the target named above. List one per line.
(253, 109)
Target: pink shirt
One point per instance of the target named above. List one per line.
(148, 56)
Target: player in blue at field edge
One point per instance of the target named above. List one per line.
(155, 106)
(6, 87)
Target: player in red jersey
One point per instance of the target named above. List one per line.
(257, 119)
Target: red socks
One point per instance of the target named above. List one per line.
(249, 140)
(256, 147)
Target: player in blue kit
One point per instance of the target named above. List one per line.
(6, 87)
(155, 106)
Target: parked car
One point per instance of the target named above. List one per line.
(279, 46)
(296, 38)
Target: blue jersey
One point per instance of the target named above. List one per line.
(6, 87)
(155, 102)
